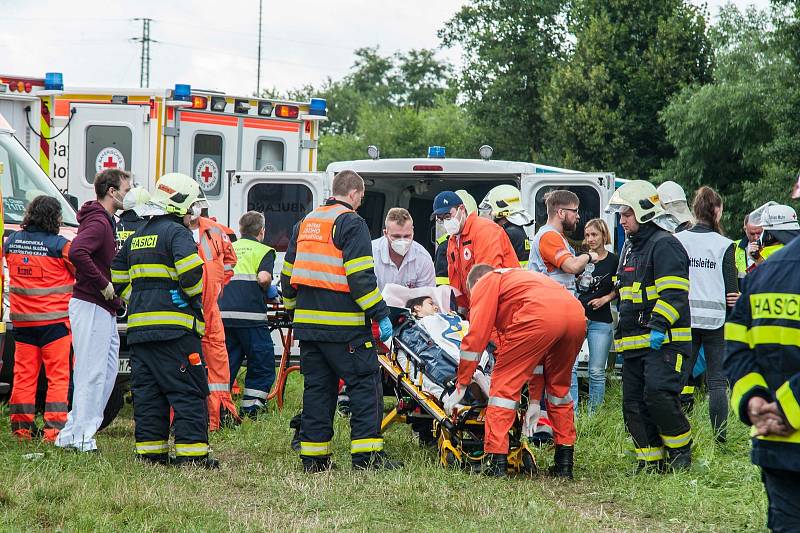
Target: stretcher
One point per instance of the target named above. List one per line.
(278, 318)
(458, 437)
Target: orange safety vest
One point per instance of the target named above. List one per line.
(319, 263)
(40, 282)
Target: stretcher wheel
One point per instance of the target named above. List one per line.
(529, 466)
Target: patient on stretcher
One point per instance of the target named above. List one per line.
(422, 306)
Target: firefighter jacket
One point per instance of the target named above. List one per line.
(244, 301)
(519, 241)
(763, 352)
(440, 261)
(40, 277)
(162, 257)
(128, 223)
(481, 241)
(653, 286)
(328, 278)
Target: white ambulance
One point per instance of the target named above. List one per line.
(76, 132)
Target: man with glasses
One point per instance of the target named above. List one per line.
(551, 253)
(474, 240)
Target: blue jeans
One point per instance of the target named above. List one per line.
(255, 344)
(599, 336)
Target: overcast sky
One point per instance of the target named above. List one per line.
(212, 44)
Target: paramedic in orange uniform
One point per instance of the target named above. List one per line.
(219, 259)
(535, 318)
(473, 240)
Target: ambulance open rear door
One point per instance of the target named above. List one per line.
(594, 190)
(110, 136)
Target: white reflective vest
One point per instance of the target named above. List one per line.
(536, 263)
(706, 251)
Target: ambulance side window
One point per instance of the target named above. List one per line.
(588, 209)
(269, 155)
(107, 147)
(207, 163)
(283, 206)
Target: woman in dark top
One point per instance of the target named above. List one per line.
(596, 300)
(713, 290)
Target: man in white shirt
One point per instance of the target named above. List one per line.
(398, 258)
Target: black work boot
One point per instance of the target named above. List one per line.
(153, 458)
(203, 461)
(495, 465)
(651, 466)
(317, 465)
(680, 458)
(563, 461)
(294, 423)
(374, 461)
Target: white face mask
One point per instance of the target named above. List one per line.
(401, 246)
(452, 225)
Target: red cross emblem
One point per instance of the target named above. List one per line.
(206, 174)
(110, 163)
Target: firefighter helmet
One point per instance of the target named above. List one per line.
(642, 197)
(503, 201)
(175, 193)
(469, 202)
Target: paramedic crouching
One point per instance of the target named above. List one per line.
(520, 304)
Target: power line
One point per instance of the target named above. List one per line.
(144, 70)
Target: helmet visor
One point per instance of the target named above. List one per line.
(759, 216)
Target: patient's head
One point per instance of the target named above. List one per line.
(422, 306)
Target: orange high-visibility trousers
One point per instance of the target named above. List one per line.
(553, 341)
(28, 360)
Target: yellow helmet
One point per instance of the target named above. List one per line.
(469, 202)
(175, 193)
(136, 197)
(504, 201)
(642, 197)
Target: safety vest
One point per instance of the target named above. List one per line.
(319, 263)
(706, 251)
(40, 285)
(771, 249)
(243, 301)
(536, 262)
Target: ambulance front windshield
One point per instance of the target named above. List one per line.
(22, 180)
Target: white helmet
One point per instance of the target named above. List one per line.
(774, 216)
(469, 202)
(136, 197)
(673, 200)
(642, 197)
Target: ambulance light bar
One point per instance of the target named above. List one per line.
(241, 106)
(436, 152)
(182, 92)
(199, 102)
(218, 103)
(53, 81)
(287, 111)
(265, 108)
(318, 106)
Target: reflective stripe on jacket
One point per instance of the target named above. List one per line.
(40, 280)
(243, 302)
(653, 285)
(763, 353)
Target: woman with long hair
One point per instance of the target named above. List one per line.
(596, 296)
(713, 290)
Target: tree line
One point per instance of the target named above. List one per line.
(648, 89)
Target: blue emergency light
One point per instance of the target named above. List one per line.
(318, 106)
(54, 81)
(436, 152)
(182, 92)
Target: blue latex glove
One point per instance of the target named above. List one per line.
(177, 299)
(656, 339)
(272, 292)
(386, 328)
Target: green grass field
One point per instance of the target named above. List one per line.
(261, 486)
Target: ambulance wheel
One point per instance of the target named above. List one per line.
(115, 403)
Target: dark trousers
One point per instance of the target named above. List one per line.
(783, 488)
(254, 343)
(713, 343)
(651, 407)
(163, 377)
(323, 363)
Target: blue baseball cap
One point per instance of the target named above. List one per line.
(444, 202)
